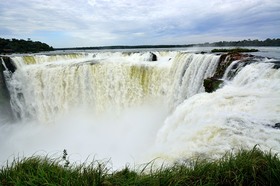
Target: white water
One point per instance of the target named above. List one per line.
(238, 115)
(44, 90)
(125, 107)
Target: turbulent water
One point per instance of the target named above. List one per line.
(136, 106)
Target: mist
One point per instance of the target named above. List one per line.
(122, 138)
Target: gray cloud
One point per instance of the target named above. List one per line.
(114, 22)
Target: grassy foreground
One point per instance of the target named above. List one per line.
(253, 167)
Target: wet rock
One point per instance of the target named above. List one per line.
(212, 84)
(276, 64)
(276, 126)
(2, 82)
(9, 64)
(227, 59)
(153, 57)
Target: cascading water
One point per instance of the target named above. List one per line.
(241, 114)
(101, 85)
(126, 105)
(187, 73)
(230, 71)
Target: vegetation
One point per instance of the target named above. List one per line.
(22, 46)
(267, 42)
(234, 50)
(125, 47)
(253, 167)
(249, 42)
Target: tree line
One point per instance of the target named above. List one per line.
(22, 46)
(249, 42)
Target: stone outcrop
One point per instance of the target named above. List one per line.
(227, 59)
(8, 63)
(276, 64)
(213, 83)
(153, 57)
(2, 82)
(276, 126)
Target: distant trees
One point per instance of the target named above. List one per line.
(234, 50)
(22, 46)
(267, 42)
(244, 43)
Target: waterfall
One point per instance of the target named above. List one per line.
(187, 73)
(21, 61)
(45, 86)
(229, 71)
(240, 114)
(138, 105)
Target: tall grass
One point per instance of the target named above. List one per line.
(247, 167)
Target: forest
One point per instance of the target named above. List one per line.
(249, 42)
(22, 46)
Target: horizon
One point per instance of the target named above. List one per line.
(205, 44)
(101, 23)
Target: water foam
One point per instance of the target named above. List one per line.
(241, 114)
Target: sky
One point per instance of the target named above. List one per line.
(85, 23)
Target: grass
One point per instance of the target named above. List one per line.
(234, 50)
(247, 167)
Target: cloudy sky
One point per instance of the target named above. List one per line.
(77, 23)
